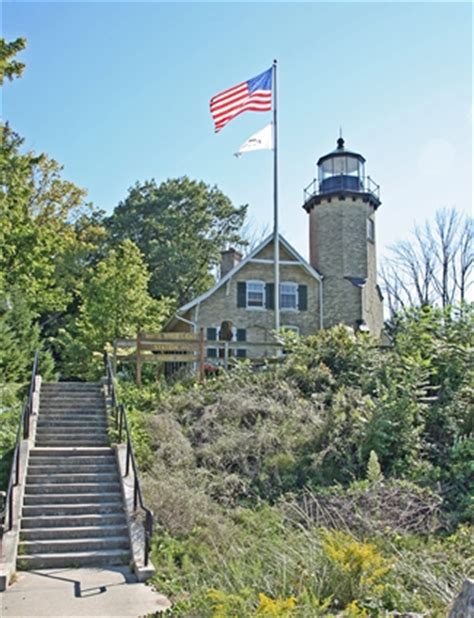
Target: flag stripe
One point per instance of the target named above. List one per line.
(263, 99)
(253, 95)
(248, 108)
(229, 92)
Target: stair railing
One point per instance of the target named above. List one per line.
(23, 432)
(119, 415)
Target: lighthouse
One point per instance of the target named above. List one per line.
(342, 203)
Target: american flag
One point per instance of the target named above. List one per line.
(254, 95)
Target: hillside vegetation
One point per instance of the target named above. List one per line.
(337, 483)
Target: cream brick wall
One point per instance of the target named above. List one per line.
(259, 323)
(339, 248)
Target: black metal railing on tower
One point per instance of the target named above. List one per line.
(119, 417)
(341, 183)
(23, 433)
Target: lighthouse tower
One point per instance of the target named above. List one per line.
(342, 203)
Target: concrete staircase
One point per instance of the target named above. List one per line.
(73, 513)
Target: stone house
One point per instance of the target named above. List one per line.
(244, 296)
(337, 285)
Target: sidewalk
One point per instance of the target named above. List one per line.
(110, 592)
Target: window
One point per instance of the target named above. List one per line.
(211, 352)
(241, 353)
(371, 229)
(256, 294)
(288, 295)
(290, 327)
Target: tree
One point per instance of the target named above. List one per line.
(9, 67)
(48, 233)
(180, 227)
(114, 303)
(434, 266)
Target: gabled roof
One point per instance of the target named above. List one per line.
(298, 259)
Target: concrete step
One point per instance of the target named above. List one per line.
(73, 442)
(71, 394)
(53, 478)
(107, 467)
(61, 454)
(73, 429)
(71, 421)
(61, 546)
(73, 435)
(72, 488)
(71, 413)
(76, 384)
(60, 433)
(84, 508)
(77, 559)
(77, 404)
(77, 532)
(73, 521)
(72, 499)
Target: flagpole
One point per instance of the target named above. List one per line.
(276, 243)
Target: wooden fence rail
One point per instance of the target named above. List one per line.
(172, 348)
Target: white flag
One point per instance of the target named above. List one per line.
(261, 140)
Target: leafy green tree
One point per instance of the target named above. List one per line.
(48, 233)
(180, 226)
(9, 67)
(115, 302)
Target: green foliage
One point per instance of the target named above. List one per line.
(114, 302)
(271, 483)
(180, 227)
(374, 471)
(9, 67)
(47, 230)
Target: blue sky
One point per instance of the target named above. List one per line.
(119, 92)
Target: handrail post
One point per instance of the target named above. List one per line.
(135, 492)
(127, 465)
(10, 510)
(120, 413)
(17, 467)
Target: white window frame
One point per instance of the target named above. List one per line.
(370, 229)
(211, 347)
(255, 282)
(291, 327)
(294, 287)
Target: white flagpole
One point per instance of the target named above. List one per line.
(276, 243)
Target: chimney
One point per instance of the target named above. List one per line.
(229, 260)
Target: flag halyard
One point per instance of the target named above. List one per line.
(253, 95)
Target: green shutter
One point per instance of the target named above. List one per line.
(241, 334)
(270, 295)
(303, 297)
(241, 294)
(212, 334)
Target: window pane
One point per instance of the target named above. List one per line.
(288, 295)
(255, 294)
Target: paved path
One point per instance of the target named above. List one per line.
(110, 592)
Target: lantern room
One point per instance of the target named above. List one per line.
(341, 170)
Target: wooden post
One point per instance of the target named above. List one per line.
(226, 355)
(138, 375)
(201, 354)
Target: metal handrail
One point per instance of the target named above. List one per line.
(121, 424)
(23, 430)
(368, 185)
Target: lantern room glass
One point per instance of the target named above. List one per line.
(341, 171)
